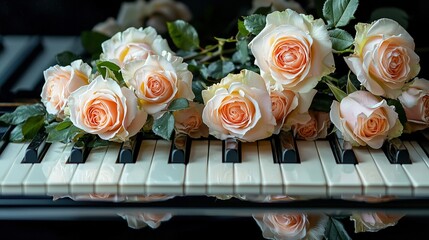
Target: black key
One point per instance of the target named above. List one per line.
(343, 150)
(180, 148)
(4, 136)
(396, 151)
(231, 148)
(1, 43)
(36, 149)
(80, 151)
(129, 150)
(285, 148)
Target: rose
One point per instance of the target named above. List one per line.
(239, 106)
(109, 27)
(106, 109)
(140, 220)
(374, 221)
(384, 58)
(365, 119)
(290, 107)
(60, 82)
(158, 80)
(314, 129)
(293, 51)
(133, 44)
(190, 122)
(415, 101)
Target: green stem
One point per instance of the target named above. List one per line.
(203, 52)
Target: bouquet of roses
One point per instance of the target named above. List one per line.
(277, 74)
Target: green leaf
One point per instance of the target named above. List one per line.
(164, 125)
(394, 13)
(184, 35)
(92, 41)
(242, 54)
(60, 134)
(335, 230)
(16, 134)
(341, 39)
(242, 31)
(63, 125)
(32, 126)
(338, 13)
(255, 23)
(264, 10)
(399, 109)
(321, 102)
(178, 104)
(350, 86)
(106, 68)
(66, 58)
(22, 113)
(220, 69)
(98, 142)
(197, 88)
(338, 93)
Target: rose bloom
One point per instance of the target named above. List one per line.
(415, 101)
(293, 51)
(384, 58)
(141, 220)
(106, 109)
(365, 119)
(374, 221)
(240, 107)
(133, 44)
(158, 80)
(190, 122)
(60, 82)
(314, 129)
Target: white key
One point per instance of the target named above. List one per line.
(220, 176)
(417, 171)
(394, 176)
(164, 177)
(196, 169)
(7, 157)
(307, 177)
(271, 175)
(83, 181)
(247, 174)
(372, 181)
(12, 182)
(134, 175)
(61, 174)
(35, 182)
(342, 179)
(110, 172)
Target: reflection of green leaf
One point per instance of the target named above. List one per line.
(338, 13)
(184, 35)
(164, 125)
(335, 230)
(394, 13)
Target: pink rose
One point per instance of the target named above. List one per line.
(239, 106)
(415, 101)
(60, 82)
(293, 51)
(365, 119)
(384, 58)
(158, 80)
(106, 109)
(314, 129)
(133, 44)
(374, 221)
(190, 122)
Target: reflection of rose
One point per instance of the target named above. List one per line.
(374, 221)
(293, 50)
(316, 128)
(415, 101)
(239, 106)
(158, 80)
(106, 109)
(190, 122)
(133, 44)
(384, 57)
(140, 220)
(60, 82)
(365, 119)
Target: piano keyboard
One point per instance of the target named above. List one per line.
(22, 62)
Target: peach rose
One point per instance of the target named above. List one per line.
(374, 221)
(384, 58)
(190, 122)
(415, 101)
(314, 129)
(140, 220)
(158, 80)
(106, 109)
(293, 51)
(60, 82)
(133, 44)
(239, 106)
(365, 119)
